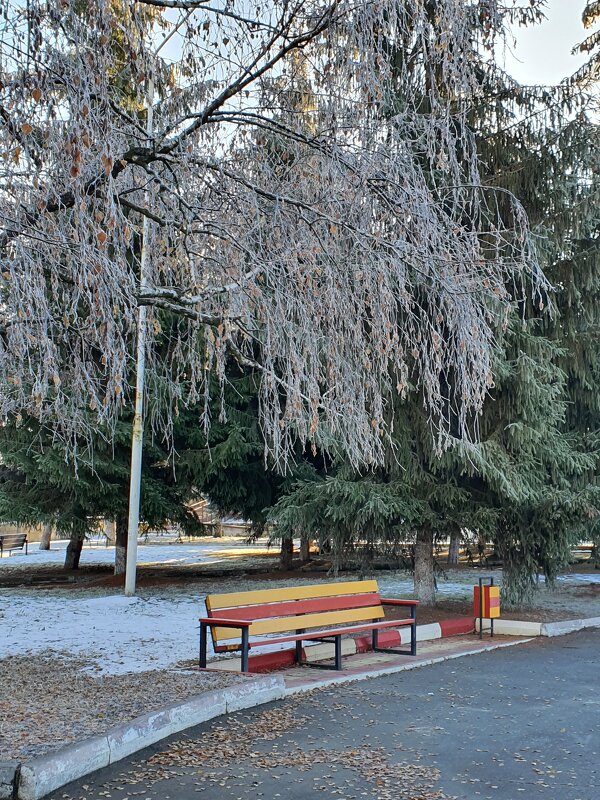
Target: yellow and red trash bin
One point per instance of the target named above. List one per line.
(486, 603)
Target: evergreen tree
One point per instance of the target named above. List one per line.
(542, 145)
(38, 484)
(529, 484)
(227, 463)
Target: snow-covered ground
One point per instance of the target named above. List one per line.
(159, 628)
(155, 630)
(118, 634)
(199, 552)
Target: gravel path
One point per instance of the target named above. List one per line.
(52, 701)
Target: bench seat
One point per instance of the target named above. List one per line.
(320, 612)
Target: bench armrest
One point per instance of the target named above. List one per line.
(226, 623)
(399, 602)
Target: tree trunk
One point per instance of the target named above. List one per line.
(121, 545)
(73, 553)
(46, 536)
(454, 549)
(110, 531)
(287, 554)
(304, 548)
(424, 578)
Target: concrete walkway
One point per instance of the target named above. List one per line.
(518, 722)
(356, 667)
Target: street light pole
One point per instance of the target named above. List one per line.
(137, 437)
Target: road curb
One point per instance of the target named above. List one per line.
(515, 627)
(569, 626)
(339, 679)
(38, 777)
(9, 779)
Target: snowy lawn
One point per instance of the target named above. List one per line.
(155, 630)
(201, 551)
(158, 629)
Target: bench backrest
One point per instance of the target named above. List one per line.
(275, 611)
(13, 539)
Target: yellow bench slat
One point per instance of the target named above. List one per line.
(322, 619)
(215, 602)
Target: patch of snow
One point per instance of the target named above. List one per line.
(577, 578)
(159, 628)
(117, 634)
(154, 630)
(172, 553)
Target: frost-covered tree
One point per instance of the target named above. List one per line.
(530, 484)
(377, 259)
(589, 73)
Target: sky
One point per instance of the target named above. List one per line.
(543, 52)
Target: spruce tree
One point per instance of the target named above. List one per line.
(529, 484)
(542, 144)
(39, 484)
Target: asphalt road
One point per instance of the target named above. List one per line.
(518, 722)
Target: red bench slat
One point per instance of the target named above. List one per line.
(292, 608)
(306, 637)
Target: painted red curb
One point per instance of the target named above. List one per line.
(456, 627)
(265, 662)
(386, 639)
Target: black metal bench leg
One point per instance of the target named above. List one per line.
(245, 649)
(394, 650)
(298, 656)
(202, 659)
(338, 652)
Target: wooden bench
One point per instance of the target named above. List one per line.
(241, 620)
(12, 541)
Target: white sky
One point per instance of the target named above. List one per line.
(543, 52)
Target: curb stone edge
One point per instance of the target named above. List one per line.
(38, 777)
(34, 779)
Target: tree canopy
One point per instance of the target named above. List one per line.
(377, 258)
(530, 483)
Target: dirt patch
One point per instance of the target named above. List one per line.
(53, 701)
(590, 590)
(585, 567)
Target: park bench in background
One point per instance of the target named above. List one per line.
(96, 537)
(12, 541)
(316, 613)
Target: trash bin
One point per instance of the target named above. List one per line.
(486, 603)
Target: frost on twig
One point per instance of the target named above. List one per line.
(315, 209)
